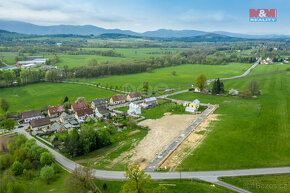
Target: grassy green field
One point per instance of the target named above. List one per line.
(262, 184)
(163, 78)
(269, 68)
(172, 186)
(249, 133)
(9, 57)
(104, 158)
(36, 96)
(128, 54)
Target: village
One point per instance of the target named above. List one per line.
(60, 119)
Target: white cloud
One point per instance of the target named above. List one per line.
(202, 16)
(56, 12)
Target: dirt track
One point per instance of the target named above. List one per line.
(162, 132)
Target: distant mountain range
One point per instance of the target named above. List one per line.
(28, 28)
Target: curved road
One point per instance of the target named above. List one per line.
(209, 176)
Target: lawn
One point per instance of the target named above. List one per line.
(104, 158)
(249, 133)
(172, 186)
(269, 68)
(163, 78)
(36, 96)
(262, 184)
(128, 54)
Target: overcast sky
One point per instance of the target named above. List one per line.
(144, 15)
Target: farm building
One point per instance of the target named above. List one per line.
(192, 107)
(79, 106)
(117, 99)
(133, 96)
(134, 109)
(31, 115)
(102, 112)
(149, 102)
(39, 124)
(83, 114)
(99, 103)
(55, 111)
(234, 92)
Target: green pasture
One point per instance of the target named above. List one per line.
(163, 78)
(249, 133)
(36, 96)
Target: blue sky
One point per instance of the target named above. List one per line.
(144, 15)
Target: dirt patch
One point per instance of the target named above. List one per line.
(189, 144)
(134, 132)
(162, 132)
(4, 142)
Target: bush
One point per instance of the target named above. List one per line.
(6, 161)
(17, 168)
(35, 164)
(46, 158)
(56, 168)
(47, 173)
(27, 164)
(28, 173)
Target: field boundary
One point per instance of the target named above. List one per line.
(161, 157)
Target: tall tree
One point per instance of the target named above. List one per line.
(145, 86)
(201, 82)
(254, 87)
(137, 181)
(4, 105)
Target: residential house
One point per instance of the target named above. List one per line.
(117, 99)
(192, 107)
(99, 103)
(134, 109)
(31, 115)
(102, 112)
(79, 106)
(83, 114)
(64, 117)
(133, 96)
(55, 127)
(234, 92)
(39, 124)
(55, 111)
(149, 102)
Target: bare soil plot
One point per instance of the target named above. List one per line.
(4, 142)
(162, 132)
(189, 144)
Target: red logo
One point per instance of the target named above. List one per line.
(263, 13)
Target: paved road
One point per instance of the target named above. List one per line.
(240, 76)
(209, 176)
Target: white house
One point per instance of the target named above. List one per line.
(102, 112)
(31, 115)
(134, 109)
(192, 107)
(83, 114)
(234, 92)
(149, 102)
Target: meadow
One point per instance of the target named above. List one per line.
(128, 54)
(261, 184)
(104, 158)
(249, 133)
(36, 96)
(269, 68)
(163, 77)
